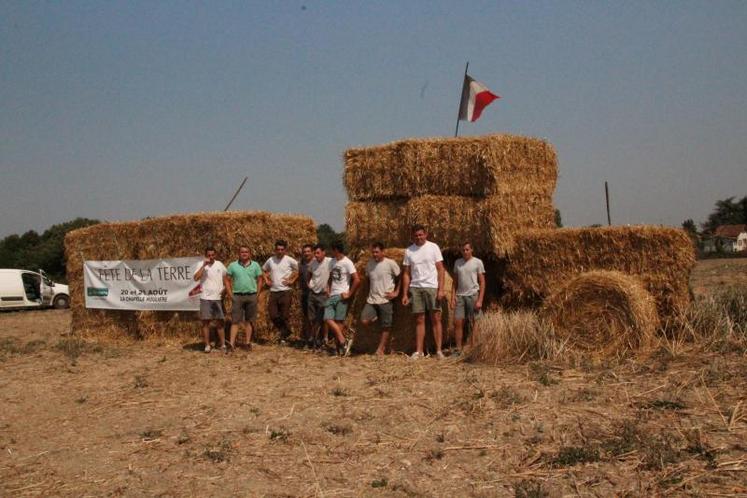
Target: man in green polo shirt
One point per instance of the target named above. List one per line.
(244, 275)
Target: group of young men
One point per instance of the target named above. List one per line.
(327, 285)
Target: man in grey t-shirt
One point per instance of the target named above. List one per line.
(467, 293)
(383, 281)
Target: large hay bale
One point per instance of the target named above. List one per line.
(489, 223)
(542, 260)
(402, 337)
(464, 166)
(176, 236)
(606, 312)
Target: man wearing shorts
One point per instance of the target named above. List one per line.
(423, 283)
(319, 270)
(213, 281)
(307, 256)
(343, 282)
(245, 285)
(281, 272)
(467, 293)
(383, 281)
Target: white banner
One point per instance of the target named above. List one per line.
(148, 284)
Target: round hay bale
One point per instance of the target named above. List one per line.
(603, 311)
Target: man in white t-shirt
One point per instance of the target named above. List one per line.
(318, 283)
(343, 282)
(423, 283)
(383, 278)
(213, 280)
(281, 272)
(467, 294)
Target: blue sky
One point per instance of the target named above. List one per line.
(121, 110)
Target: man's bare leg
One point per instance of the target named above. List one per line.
(458, 333)
(337, 329)
(248, 330)
(221, 332)
(381, 350)
(437, 329)
(206, 332)
(419, 332)
(234, 333)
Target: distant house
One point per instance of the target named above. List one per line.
(726, 238)
(742, 242)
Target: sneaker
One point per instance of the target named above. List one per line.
(283, 342)
(207, 348)
(224, 349)
(440, 355)
(229, 348)
(456, 353)
(417, 356)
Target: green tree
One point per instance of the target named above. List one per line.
(327, 235)
(558, 219)
(32, 251)
(727, 212)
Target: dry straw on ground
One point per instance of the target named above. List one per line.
(490, 224)
(403, 327)
(543, 260)
(513, 337)
(605, 312)
(464, 166)
(175, 236)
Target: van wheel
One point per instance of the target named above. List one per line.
(61, 302)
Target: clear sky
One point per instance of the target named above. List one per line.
(121, 110)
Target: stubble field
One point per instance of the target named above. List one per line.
(81, 419)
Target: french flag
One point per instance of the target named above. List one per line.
(475, 98)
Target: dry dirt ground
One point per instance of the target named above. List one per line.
(80, 419)
(713, 274)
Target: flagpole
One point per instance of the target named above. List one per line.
(456, 132)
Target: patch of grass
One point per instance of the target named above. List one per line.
(279, 435)
(10, 346)
(569, 456)
(505, 397)
(151, 434)
(530, 488)
(82, 399)
(338, 430)
(659, 451)
(434, 454)
(220, 453)
(585, 395)
(542, 374)
(140, 382)
(379, 483)
(73, 347)
(339, 391)
(183, 438)
(440, 438)
(624, 440)
(665, 404)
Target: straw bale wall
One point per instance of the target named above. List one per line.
(176, 236)
(543, 260)
(464, 166)
(489, 223)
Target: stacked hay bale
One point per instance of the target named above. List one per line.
(544, 260)
(170, 237)
(484, 189)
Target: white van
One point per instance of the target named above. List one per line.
(23, 289)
